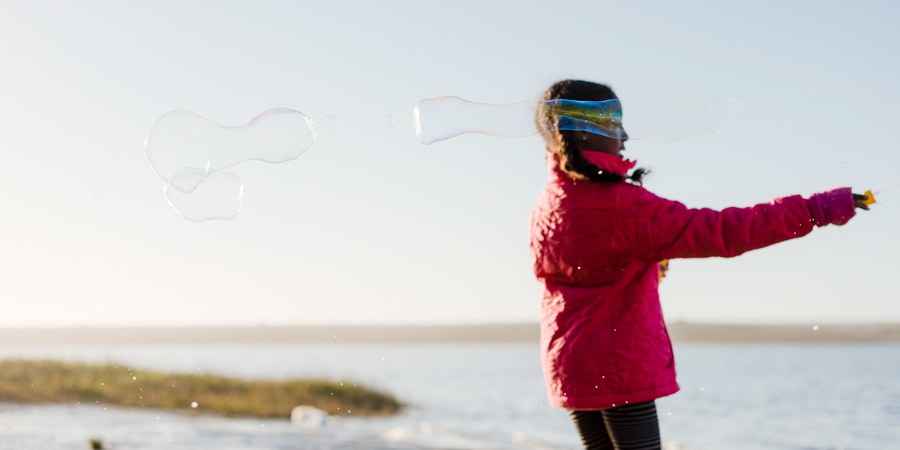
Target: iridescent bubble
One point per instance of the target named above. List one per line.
(666, 120)
(186, 150)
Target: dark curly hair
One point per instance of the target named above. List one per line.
(563, 142)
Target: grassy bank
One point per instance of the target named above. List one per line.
(45, 381)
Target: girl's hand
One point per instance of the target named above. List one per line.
(860, 201)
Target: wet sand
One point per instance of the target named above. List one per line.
(481, 333)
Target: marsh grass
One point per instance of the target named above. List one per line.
(47, 381)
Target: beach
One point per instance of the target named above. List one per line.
(475, 386)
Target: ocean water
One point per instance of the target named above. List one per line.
(490, 396)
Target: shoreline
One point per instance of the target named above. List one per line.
(429, 334)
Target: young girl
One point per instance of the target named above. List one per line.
(597, 238)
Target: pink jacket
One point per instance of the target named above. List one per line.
(596, 249)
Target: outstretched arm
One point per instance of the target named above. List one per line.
(672, 230)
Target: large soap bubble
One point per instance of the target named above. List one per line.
(664, 120)
(189, 152)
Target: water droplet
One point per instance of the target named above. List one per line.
(134, 378)
(815, 328)
(194, 404)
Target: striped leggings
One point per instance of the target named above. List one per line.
(628, 427)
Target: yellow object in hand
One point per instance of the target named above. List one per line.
(870, 197)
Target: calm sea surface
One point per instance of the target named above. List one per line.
(491, 396)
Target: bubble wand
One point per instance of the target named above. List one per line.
(870, 196)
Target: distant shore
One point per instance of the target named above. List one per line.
(480, 333)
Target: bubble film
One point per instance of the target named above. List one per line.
(663, 120)
(186, 150)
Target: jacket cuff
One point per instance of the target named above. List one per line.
(834, 207)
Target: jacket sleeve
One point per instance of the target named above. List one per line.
(663, 229)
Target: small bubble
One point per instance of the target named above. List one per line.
(815, 328)
(702, 389)
(328, 124)
(134, 378)
(194, 404)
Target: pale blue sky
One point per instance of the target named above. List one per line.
(370, 226)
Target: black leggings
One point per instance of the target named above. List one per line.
(628, 427)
